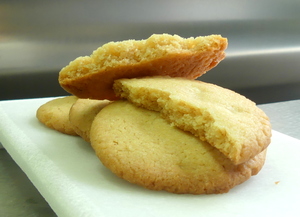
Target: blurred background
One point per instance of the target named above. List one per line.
(38, 38)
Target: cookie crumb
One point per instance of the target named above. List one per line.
(277, 182)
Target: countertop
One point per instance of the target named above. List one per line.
(20, 198)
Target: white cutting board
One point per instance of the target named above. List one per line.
(71, 178)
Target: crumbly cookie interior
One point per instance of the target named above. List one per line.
(131, 52)
(223, 118)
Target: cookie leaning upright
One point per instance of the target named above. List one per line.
(223, 118)
(82, 114)
(55, 114)
(93, 76)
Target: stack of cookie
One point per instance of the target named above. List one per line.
(151, 123)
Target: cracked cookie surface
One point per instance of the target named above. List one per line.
(223, 118)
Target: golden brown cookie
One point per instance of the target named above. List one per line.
(83, 113)
(225, 119)
(161, 54)
(55, 114)
(141, 147)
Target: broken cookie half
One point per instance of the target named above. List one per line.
(161, 54)
(225, 119)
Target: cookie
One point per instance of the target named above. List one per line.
(141, 147)
(223, 118)
(55, 114)
(161, 54)
(82, 115)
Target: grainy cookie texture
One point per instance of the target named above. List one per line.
(83, 113)
(143, 148)
(161, 54)
(55, 114)
(226, 120)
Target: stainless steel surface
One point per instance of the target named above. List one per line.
(284, 116)
(18, 196)
(38, 38)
